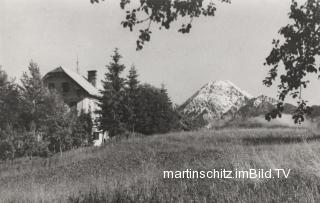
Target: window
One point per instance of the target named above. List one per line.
(51, 86)
(65, 87)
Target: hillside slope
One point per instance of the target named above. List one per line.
(261, 105)
(132, 170)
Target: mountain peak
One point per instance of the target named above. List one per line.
(215, 99)
(222, 101)
(226, 84)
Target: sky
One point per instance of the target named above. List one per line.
(229, 46)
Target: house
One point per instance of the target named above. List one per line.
(78, 92)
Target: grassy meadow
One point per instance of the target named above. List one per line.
(131, 170)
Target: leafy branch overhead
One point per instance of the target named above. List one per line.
(163, 13)
(298, 53)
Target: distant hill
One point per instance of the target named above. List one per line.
(261, 105)
(314, 113)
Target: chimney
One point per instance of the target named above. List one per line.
(92, 77)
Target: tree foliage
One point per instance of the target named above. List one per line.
(298, 53)
(128, 106)
(35, 121)
(164, 13)
(82, 130)
(132, 100)
(58, 124)
(33, 94)
(112, 107)
(9, 101)
(9, 116)
(156, 113)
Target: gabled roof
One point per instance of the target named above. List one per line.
(80, 80)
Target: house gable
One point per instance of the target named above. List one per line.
(72, 86)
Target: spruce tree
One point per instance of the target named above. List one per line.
(155, 112)
(132, 80)
(113, 96)
(33, 95)
(9, 116)
(166, 114)
(9, 102)
(132, 98)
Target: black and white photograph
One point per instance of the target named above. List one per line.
(174, 101)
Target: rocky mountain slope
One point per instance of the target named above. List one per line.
(214, 100)
(221, 101)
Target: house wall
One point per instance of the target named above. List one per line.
(75, 93)
(88, 105)
(77, 98)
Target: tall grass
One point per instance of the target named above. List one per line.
(132, 170)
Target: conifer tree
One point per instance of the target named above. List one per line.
(166, 114)
(33, 95)
(132, 80)
(9, 101)
(132, 98)
(9, 116)
(112, 100)
(46, 117)
(155, 112)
